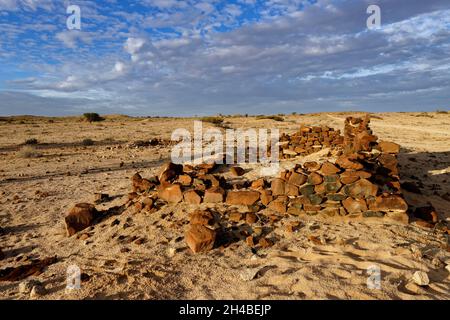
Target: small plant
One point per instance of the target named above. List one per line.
(93, 117)
(87, 142)
(31, 141)
(29, 152)
(442, 111)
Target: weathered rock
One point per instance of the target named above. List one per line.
(312, 165)
(349, 162)
(80, 217)
(348, 178)
(237, 171)
(192, 197)
(389, 147)
(185, 179)
(246, 198)
(388, 203)
(26, 286)
(354, 205)
(201, 217)
(278, 187)
(265, 243)
(361, 189)
(199, 238)
(314, 178)
(315, 199)
(389, 162)
(332, 187)
(37, 291)
(258, 184)
(251, 218)
(421, 278)
(170, 193)
(214, 195)
(235, 216)
(278, 206)
(250, 240)
(336, 197)
(373, 214)
(307, 189)
(291, 190)
(266, 197)
(132, 196)
(329, 169)
(297, 179)
(169, 171)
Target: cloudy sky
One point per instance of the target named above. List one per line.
(198, 57)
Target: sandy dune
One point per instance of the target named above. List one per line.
(36, 193)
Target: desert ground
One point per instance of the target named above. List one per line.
(132, 255)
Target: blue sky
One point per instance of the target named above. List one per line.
(199, 57)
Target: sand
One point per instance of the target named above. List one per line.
(36, 193)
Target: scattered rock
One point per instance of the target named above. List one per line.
(249, 274)
(421, 278)
(100, 198)
(199, 238)
(170, 193)
(26, 286)
(80, 217)
(23, 271)
(37, 291)
(192, 197)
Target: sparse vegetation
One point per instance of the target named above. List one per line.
(87, 142)
(275, 118)
(31, 141)
(93, 117)
(28, 152)
(442, 111)
(213, 120)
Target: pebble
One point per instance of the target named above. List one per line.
(249, 274)
(37, 291)
(421, 278)
(27, 286)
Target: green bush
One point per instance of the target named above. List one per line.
(93, 117)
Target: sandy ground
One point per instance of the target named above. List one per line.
(36, 193)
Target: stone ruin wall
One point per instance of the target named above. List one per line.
(362, 183)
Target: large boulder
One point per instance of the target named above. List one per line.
(81, 216)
